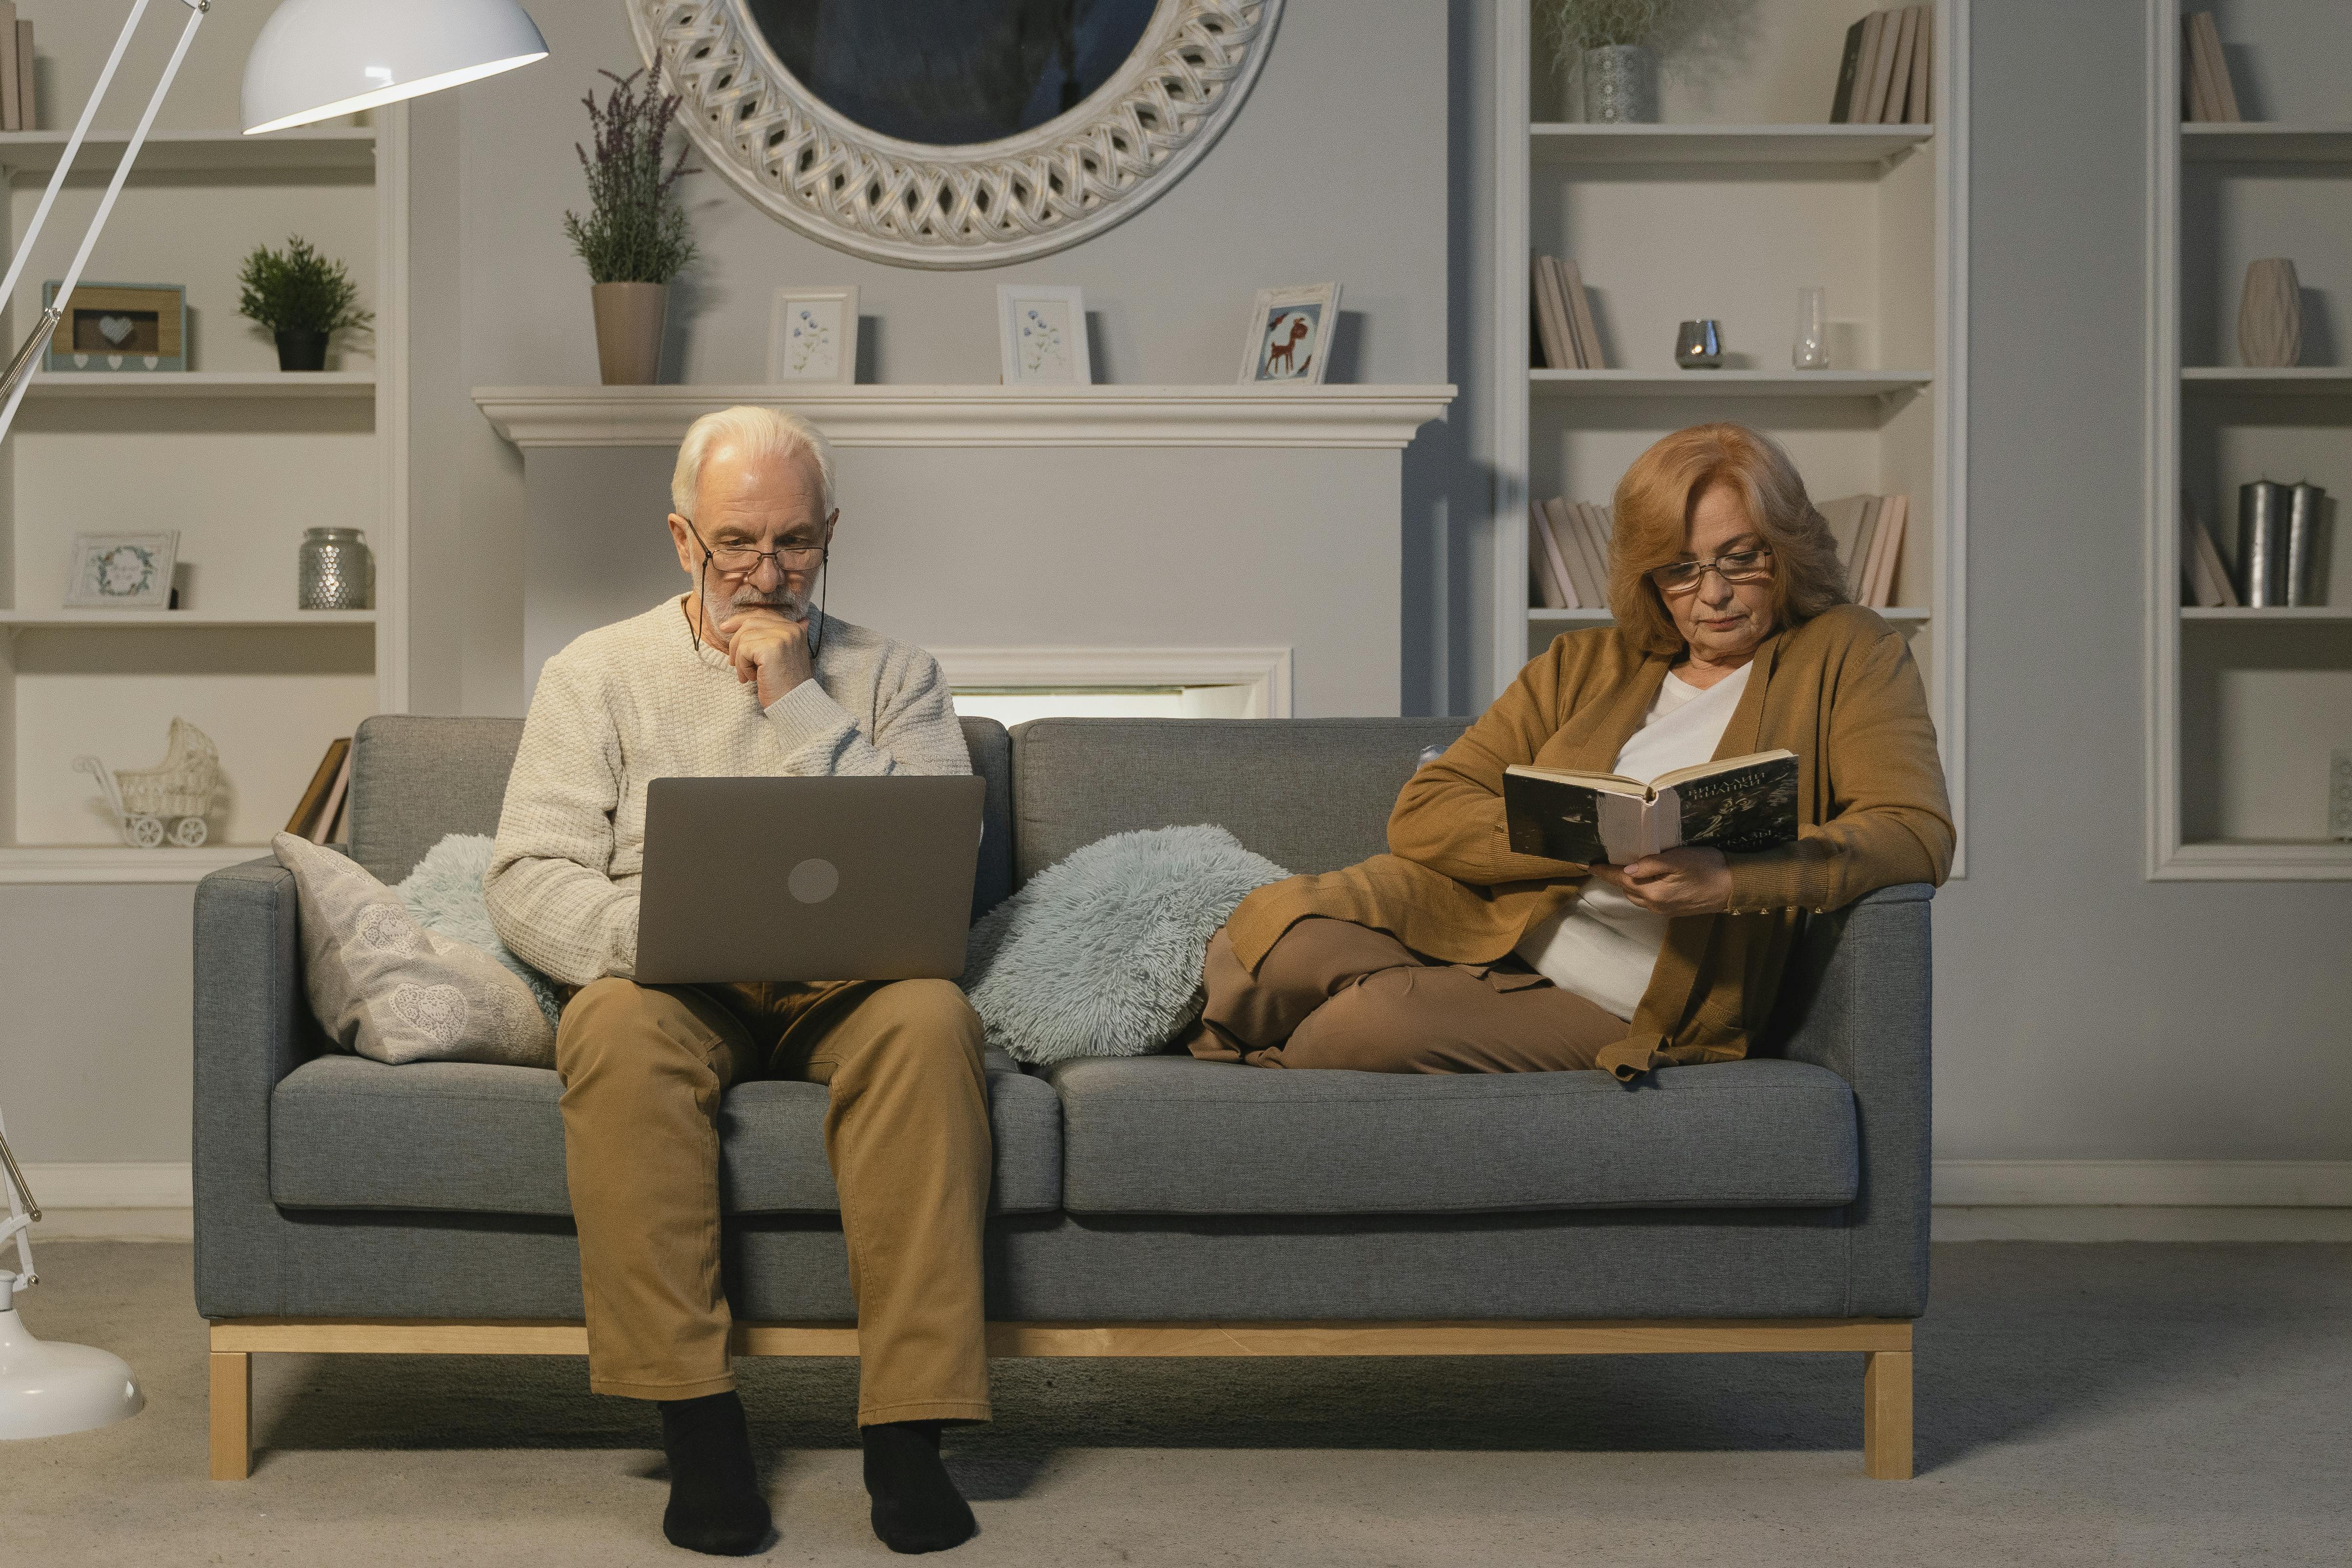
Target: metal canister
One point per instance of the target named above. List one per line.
(2261, 543)
(2302, 503)
(337, 571)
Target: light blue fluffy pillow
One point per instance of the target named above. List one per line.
(444, 894)
(1100, 955)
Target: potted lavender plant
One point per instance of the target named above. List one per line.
(634, 239)
(1613, 44)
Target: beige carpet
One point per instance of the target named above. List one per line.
(2125, 1405)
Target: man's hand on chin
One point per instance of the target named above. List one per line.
(767, 647)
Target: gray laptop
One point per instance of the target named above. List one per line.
(786, 878)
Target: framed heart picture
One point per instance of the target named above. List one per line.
(118, 326)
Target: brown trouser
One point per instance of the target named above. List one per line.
(1332, 994)
(644, 1068)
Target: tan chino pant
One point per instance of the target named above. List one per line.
(644, 1068)
(1332, 994)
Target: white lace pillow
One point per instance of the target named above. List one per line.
(382, 985)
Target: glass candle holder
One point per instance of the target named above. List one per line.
(337, 571)
(1699, 345)
(1812, 348)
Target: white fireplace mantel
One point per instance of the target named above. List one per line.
(1348, 416)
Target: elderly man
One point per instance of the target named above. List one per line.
(743, 675)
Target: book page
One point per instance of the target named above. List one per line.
(1625, 827)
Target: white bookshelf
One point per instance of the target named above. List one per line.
(2245, 705)
(1743, 197)
(237, 456)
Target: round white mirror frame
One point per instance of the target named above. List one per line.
(984, 205)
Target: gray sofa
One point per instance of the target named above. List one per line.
(1141, 1205)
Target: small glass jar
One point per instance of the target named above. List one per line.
(1810, 350)
(337, 572)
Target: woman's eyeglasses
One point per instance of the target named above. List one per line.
(1739, 567)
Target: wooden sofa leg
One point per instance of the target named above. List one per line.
(1886, 1415)
(232, 1414)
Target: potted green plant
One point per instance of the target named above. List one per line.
(634, 239)
(1613, 44)
(301, 298)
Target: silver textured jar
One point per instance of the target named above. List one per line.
(337, 572)
(1620, 85)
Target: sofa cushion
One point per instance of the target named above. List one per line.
(1312, 794)
(1170, 1135)
(348, 1134)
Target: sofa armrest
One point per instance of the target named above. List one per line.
(1857, 1003)
(252, 1028)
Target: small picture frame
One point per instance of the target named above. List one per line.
(122, 570)
(1041, 335)
(1290, 335)
(118, 326)
(813, 336)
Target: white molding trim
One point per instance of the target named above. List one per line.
(1266, 670)
(2144, 1184)
(1948, 633)
(1349, 416)
(125, 1184)
(39, 865)
(1511, 84)
(2161, 497)
(392, 321)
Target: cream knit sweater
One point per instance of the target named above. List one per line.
(635, 701)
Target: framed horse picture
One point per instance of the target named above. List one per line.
(1290, 334)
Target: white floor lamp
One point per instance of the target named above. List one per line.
(314, 59)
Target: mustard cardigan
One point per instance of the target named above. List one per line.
(1839, 690)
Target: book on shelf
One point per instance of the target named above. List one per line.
(323, 796)
(1579, 314)
(1554, 349)
(1566, 336)
(1553, 590)
(12, 78)
(2205, 71)
(1898, 82)
(1593, 529)
(1589, 591)
(1868, 532)
(1737, 805)
(27, 89)
(1884, 69)
(2205, 579)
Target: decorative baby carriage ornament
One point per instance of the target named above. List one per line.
(168, 801)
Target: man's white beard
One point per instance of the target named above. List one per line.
(719, 607)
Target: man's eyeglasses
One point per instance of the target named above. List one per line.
(741, 561)
(1739, 567)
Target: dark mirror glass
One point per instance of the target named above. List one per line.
(950, 72)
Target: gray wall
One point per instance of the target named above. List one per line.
(2083, 1012)
(1336, 170)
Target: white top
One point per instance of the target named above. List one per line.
(1601, 946)
(636, 702)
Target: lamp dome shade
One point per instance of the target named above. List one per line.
(318, 58)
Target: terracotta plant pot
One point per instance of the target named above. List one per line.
(629, 331)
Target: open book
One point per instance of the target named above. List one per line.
(1738, 803)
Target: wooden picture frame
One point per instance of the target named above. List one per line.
(118, 326)
(1041, 335)
(122, 570)
(1289, 338)
(813, 336)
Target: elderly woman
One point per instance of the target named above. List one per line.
(1453, 953)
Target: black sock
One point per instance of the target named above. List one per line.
(916, 1506)
(715, 1504)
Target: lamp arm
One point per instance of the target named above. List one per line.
(15, 1227)
(19, 373)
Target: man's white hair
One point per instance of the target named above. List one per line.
(754, 433)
